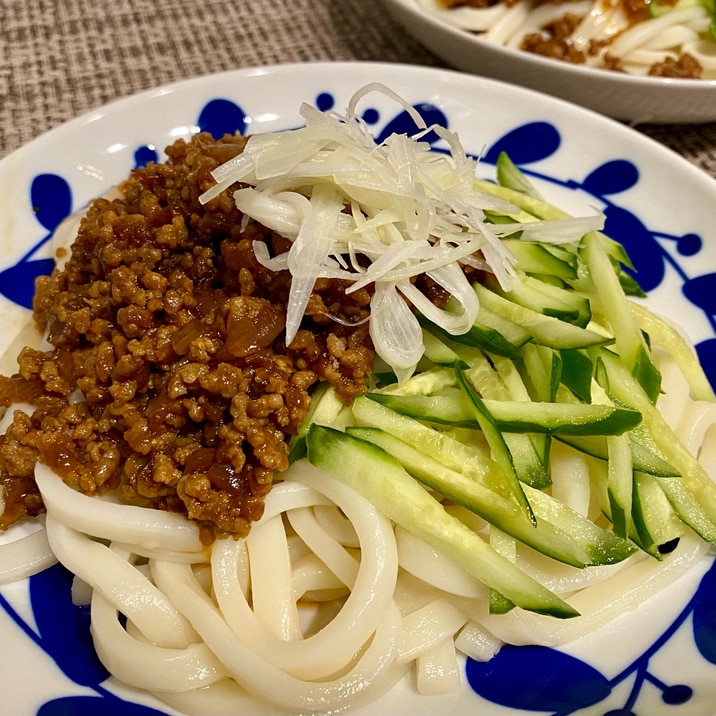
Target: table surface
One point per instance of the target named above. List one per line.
(62, 58)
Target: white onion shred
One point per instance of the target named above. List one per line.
(371, 213)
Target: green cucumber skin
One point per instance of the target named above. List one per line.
(564, 304)
(693, 496)
(535, 259)
(515, 417)
(496, 335)
(579, 547)
(543, 330)
(372, 472)
(499, 450)
(644, 459)
(494, 508)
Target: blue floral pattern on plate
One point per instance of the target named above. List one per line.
(528, 678)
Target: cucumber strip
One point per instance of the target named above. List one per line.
(444, 448)
(460, 351)
(496, 378)
(629, 284)
(642, 534)
(377, 476)
(515, 388)
(550, 300)
(628, 338)
(568, 255)
(530, 466)
(545, 330)
(669, 338)
(615, 251)
(538, 208)
(577, 372)
(689, 509)
(325, 408)
(563, 418)
(560, 532)
(499, 450)
(603, 546)
(510, 176)
(492, 332)
(429, 381)
(620, 483)
(451, 407)
(693, 494)
(436, 350)
(506, 546)
(498, 510)
(655, 522)
(541, 369)
(536, 260)
(529, 451)
(643, 458)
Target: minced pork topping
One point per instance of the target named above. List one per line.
(169, 379)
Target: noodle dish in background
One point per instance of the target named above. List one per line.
(598, 56)
(506, 514)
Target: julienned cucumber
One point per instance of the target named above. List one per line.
(542, 329)
(451, 407)
(694, 496)
(373, 473)
(558, 532)
(560, 355)
(499, 450)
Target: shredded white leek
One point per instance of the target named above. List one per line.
(376, 214)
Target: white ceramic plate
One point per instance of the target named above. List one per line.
(626, 97)
(659, 660)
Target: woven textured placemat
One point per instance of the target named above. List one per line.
(61, 58)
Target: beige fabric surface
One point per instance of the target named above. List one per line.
(61, 58)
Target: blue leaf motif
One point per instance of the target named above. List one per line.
(526, 144)
(51, 199)
(403, 123)
(18, 282)
(63, 628)
(222, 116)
(94, 705)
(706, 351)
(611, 178)
(145, 154)
(689, 244)
(537, 678)
(701, 291)
(704, 616)
(325, 101)
(645, 252)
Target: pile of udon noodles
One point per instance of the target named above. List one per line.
(605, 33)
(325, 604)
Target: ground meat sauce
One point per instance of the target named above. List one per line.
(555, 40)
(173, 333)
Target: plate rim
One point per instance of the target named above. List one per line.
(448, 74)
